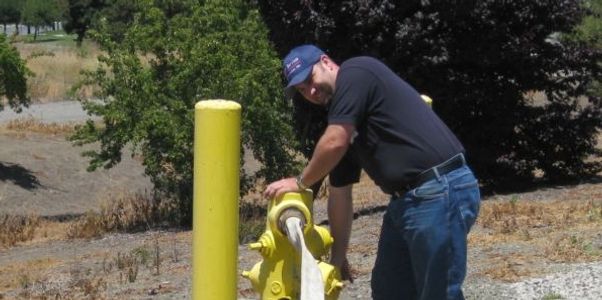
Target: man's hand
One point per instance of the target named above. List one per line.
(345, 269)
(280, 187)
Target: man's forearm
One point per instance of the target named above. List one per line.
(330, 149)
(340, 217)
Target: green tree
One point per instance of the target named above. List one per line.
(590, 29)
(81, 15)
(38, 13)
(590, 32)
(13, 77)
(119, 14)
(174, 54)
(479, 61)
(10, 12)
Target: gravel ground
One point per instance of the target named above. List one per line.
(75, 263)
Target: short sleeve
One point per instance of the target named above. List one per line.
(346, 172)
(350, 101)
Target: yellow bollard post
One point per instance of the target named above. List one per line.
(215, 204)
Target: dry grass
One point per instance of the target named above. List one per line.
(23, 274)
(22, 126)
(57, 68)
(554, 231)
(15, 229)
(514, 217)
(131, 212)
(573, 248)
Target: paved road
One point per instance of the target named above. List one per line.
(54, 112)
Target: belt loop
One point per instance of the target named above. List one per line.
(437, 173)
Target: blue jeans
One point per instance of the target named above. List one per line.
(422, 247)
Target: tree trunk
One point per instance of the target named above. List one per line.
(79, 39)
(35, 33)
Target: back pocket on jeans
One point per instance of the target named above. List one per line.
(469, 200)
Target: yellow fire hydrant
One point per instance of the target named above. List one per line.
(278, 275)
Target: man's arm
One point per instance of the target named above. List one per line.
(330, 149)
(340, 217)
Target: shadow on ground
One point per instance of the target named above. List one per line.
(18, 175)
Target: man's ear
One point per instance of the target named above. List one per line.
(327, 62)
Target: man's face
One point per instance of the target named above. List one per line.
(318, 88)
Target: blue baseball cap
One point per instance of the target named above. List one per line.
(298, 64)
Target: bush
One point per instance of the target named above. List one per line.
(14, 229)
(478, 60)
(173, 55)
(13, 77)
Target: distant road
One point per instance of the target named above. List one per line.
(54, 112)
(12, 28)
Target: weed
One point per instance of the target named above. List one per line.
(34, 125)
(14, 229)
(552, 296)
(127, 263)
(132, 273)
(91, 287)
(594, 211)
(513, 202)
(24, 281)
(157, 258)
(252, 221)
(127, 213)
(174, 245)
(571, 248)
(107, 266)
(142, 254)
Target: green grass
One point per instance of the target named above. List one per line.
(60, 37)
(552, 296)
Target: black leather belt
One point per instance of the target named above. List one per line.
(447, 166)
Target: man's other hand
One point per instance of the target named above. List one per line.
(280, 187)
(346, 273)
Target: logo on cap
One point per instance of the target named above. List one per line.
(299, 63)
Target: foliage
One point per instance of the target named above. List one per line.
(13, 76)
(39, 13)
(119, 14)
(590, 29)
(479, 61)
(174, 54)
(80, 15)
(10, 12)
(590, 32)
(86, 15)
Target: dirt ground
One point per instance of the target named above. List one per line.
(45, 175)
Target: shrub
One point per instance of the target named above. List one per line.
(171, 56)
(13, 77)
(14, 229)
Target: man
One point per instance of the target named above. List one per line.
(409, 153)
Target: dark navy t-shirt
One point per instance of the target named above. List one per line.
(397, 135)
